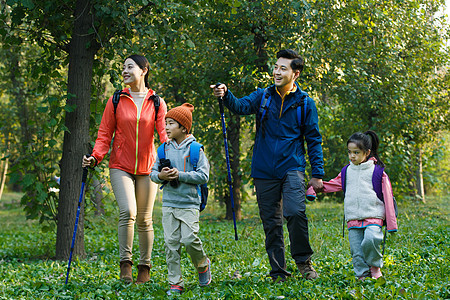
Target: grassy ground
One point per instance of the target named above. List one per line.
(416, 259)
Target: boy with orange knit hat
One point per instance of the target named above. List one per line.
(181, 201)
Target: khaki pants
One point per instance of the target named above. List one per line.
(181, 226)
(135, 196)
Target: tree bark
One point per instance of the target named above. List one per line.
(234, 129)
(82, 49)
(4, 169)
(97, 196)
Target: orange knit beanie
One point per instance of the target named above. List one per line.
(182, 114)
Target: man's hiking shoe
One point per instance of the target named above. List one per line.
(204, 278)
(175, 290)
(125, 271)
(307, 270)
(375, 272)
(278, 279)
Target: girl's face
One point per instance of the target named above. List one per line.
(132, 73)
(175, 131)
(357, 155)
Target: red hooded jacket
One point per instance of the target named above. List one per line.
(133, 150)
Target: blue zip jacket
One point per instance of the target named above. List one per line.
(281, 148)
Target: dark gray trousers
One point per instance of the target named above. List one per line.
(278, 198)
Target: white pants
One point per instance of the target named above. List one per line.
(181, 226)
(135, 196)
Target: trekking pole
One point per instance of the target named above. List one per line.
(83, 182)
(224, 130)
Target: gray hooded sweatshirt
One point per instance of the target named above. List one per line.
(186, 194)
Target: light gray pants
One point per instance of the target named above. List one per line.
(181, 226)
(365, 249)
(135, 196)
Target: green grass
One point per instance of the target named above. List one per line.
(416, 259)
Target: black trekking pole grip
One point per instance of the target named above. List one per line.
(220, 100)
(85, 172)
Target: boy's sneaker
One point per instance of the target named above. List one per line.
(307, 270)
(375, 272)
(175, 290)
(204, 278)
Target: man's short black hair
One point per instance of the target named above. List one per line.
(297, 62)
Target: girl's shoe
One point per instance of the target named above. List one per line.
(175, 290)
(375, 272)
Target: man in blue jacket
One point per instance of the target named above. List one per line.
(278, 163)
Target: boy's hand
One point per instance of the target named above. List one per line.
(168, 174)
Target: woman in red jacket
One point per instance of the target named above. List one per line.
(132, 123)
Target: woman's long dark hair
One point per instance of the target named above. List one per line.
(142, 62)
(367, 141)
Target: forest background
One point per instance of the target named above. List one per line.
(380, 65)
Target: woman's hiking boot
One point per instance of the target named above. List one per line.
(307, 270)
(125, 271)
(143, 274)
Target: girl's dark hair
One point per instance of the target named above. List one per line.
(142, 62)
(367, 141)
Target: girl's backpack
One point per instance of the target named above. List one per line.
(377, 179)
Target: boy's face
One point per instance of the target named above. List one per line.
(174, 130)
(283, 75)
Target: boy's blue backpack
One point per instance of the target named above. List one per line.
(301, 110)
(377, 179)
(194, 153)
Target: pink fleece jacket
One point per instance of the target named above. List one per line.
(334, 185)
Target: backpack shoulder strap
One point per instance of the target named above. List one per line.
(377, 179)
(115, 99)
(301, 113)
(343, 175)
(194, 153)
(157, 103)
(265, 101)
(162, 151)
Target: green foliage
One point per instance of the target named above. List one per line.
(378, 65)
(36, 166)
(415, 263)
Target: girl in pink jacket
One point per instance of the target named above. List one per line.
(368, 202)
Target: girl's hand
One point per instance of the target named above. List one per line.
(88, 161)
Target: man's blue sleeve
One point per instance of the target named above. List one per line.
(244, 106)
(313, 140)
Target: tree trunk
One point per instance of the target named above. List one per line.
(419, 176)
(82, 49)
(4, 169)
(234, 128)
(97, 196)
